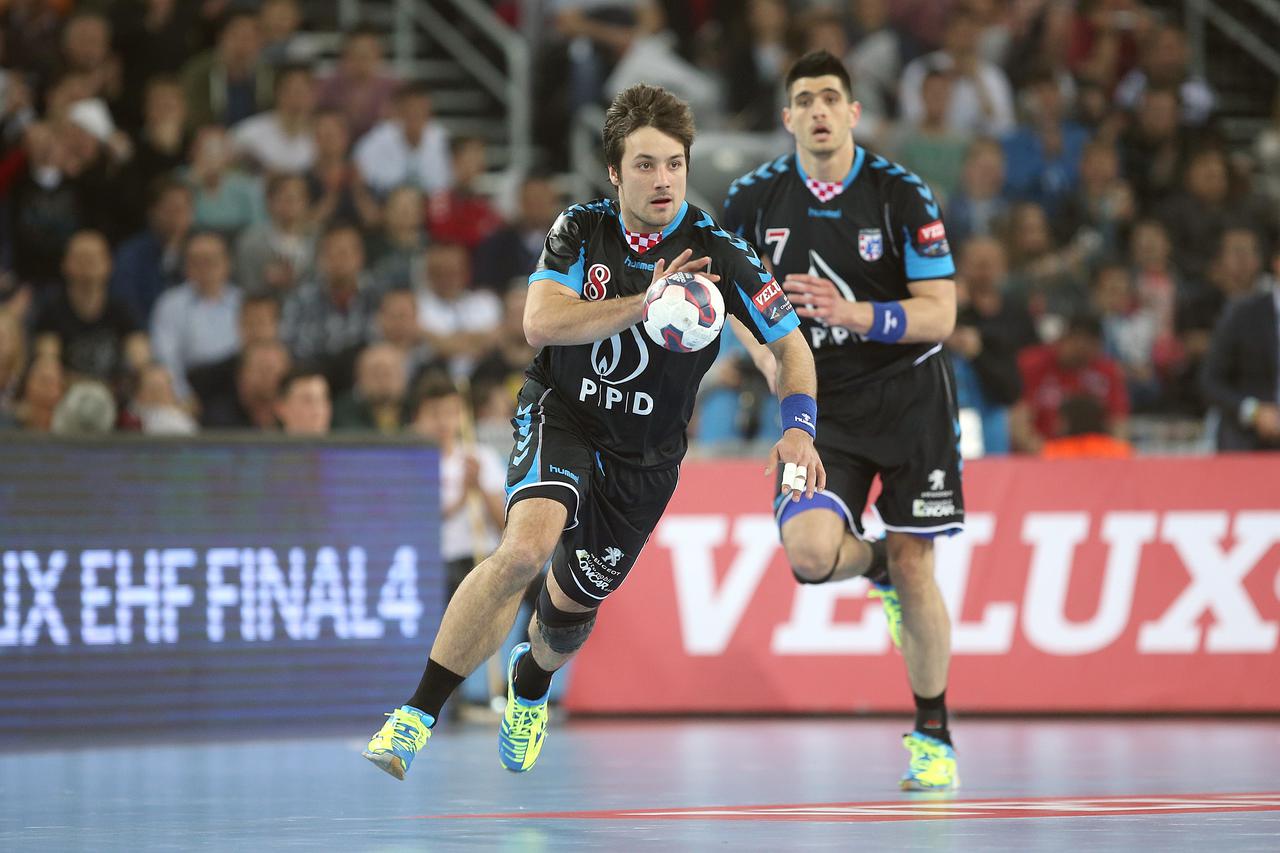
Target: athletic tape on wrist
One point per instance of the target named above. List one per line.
(800, 411)
(888, 322)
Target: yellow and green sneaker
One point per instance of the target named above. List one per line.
(524, 723)
(888, 598)
(401, 737)
(933, 764)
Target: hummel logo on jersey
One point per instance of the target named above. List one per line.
(803, 418)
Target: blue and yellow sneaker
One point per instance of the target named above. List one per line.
(405, 732)
(933, 764)
(524, 723)
(888, 598)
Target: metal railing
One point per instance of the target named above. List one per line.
(1202, 13)
(508, 83)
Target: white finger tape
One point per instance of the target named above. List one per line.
(793, 475)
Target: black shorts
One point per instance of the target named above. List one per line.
(904, 428)
(612, 507)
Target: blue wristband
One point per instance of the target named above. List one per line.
(800, 411)
(888, 322)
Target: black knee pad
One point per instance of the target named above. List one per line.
(563, 632)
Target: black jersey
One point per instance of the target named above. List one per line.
(631, 397)
(881, 232)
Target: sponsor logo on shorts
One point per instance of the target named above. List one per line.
(612, 556)
(921, 508)
(595, 570)
(937, 480)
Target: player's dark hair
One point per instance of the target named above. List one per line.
(819, 63)
(640, 106)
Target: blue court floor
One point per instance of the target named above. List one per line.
(776, 785)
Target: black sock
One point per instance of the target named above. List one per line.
(931, 717)
(435, 687)
(531, 681)
(878, 570)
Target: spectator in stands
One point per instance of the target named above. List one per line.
(989, 332)
(512, 251)
(229, 83)
(337, 193)
(1083, 433)
(197, 323)
(44, 208)
(1129, 332)
(1049, 280)
(1072, 365)
(506, 364)
(408, 148)
(599, 33)
(151, 262)
(821, 28)
(461, 323)
(249, 402)
(88, 408)
(38, 393)
(1266, 150)
(13, 359)
(278, 254)
(278, 21)
(302, 403)
(159, 148)
(1104, 40)
(978, 208)
(1206, 207)
(1166, 62)
(879, 51)
(332, 314)
(94, 335)
(1241, 374)
(401, 240)
(360, 89)
(927, 22)
(1102, 201)
(930, 148)
(282, 139)
(462, 214)
(29, 32)
(214, 384)
(226, 199)
(376, 401)
(1157, 284)
(153, 43)
(1042, 156)
(472, 479)
(397, 325)
(86, 50)
(754, 61)
(1154, 148)
(1039, 40)
(153, 407)
(982, 100)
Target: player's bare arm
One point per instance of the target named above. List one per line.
(930, 312)
(555, 315)
(761, 357)
(796, 377)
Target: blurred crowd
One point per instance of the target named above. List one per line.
(210, 220)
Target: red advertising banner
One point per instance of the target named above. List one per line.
(1110, 585)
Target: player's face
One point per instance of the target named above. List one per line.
(651, 179)
(820, 115)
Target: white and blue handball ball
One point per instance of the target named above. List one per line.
(683, 312)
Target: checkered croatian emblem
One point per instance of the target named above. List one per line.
(641, 243)
(870, 244)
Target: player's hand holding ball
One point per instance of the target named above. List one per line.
(683, 309)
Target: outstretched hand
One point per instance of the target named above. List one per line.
(802, 469)
(683, 263)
